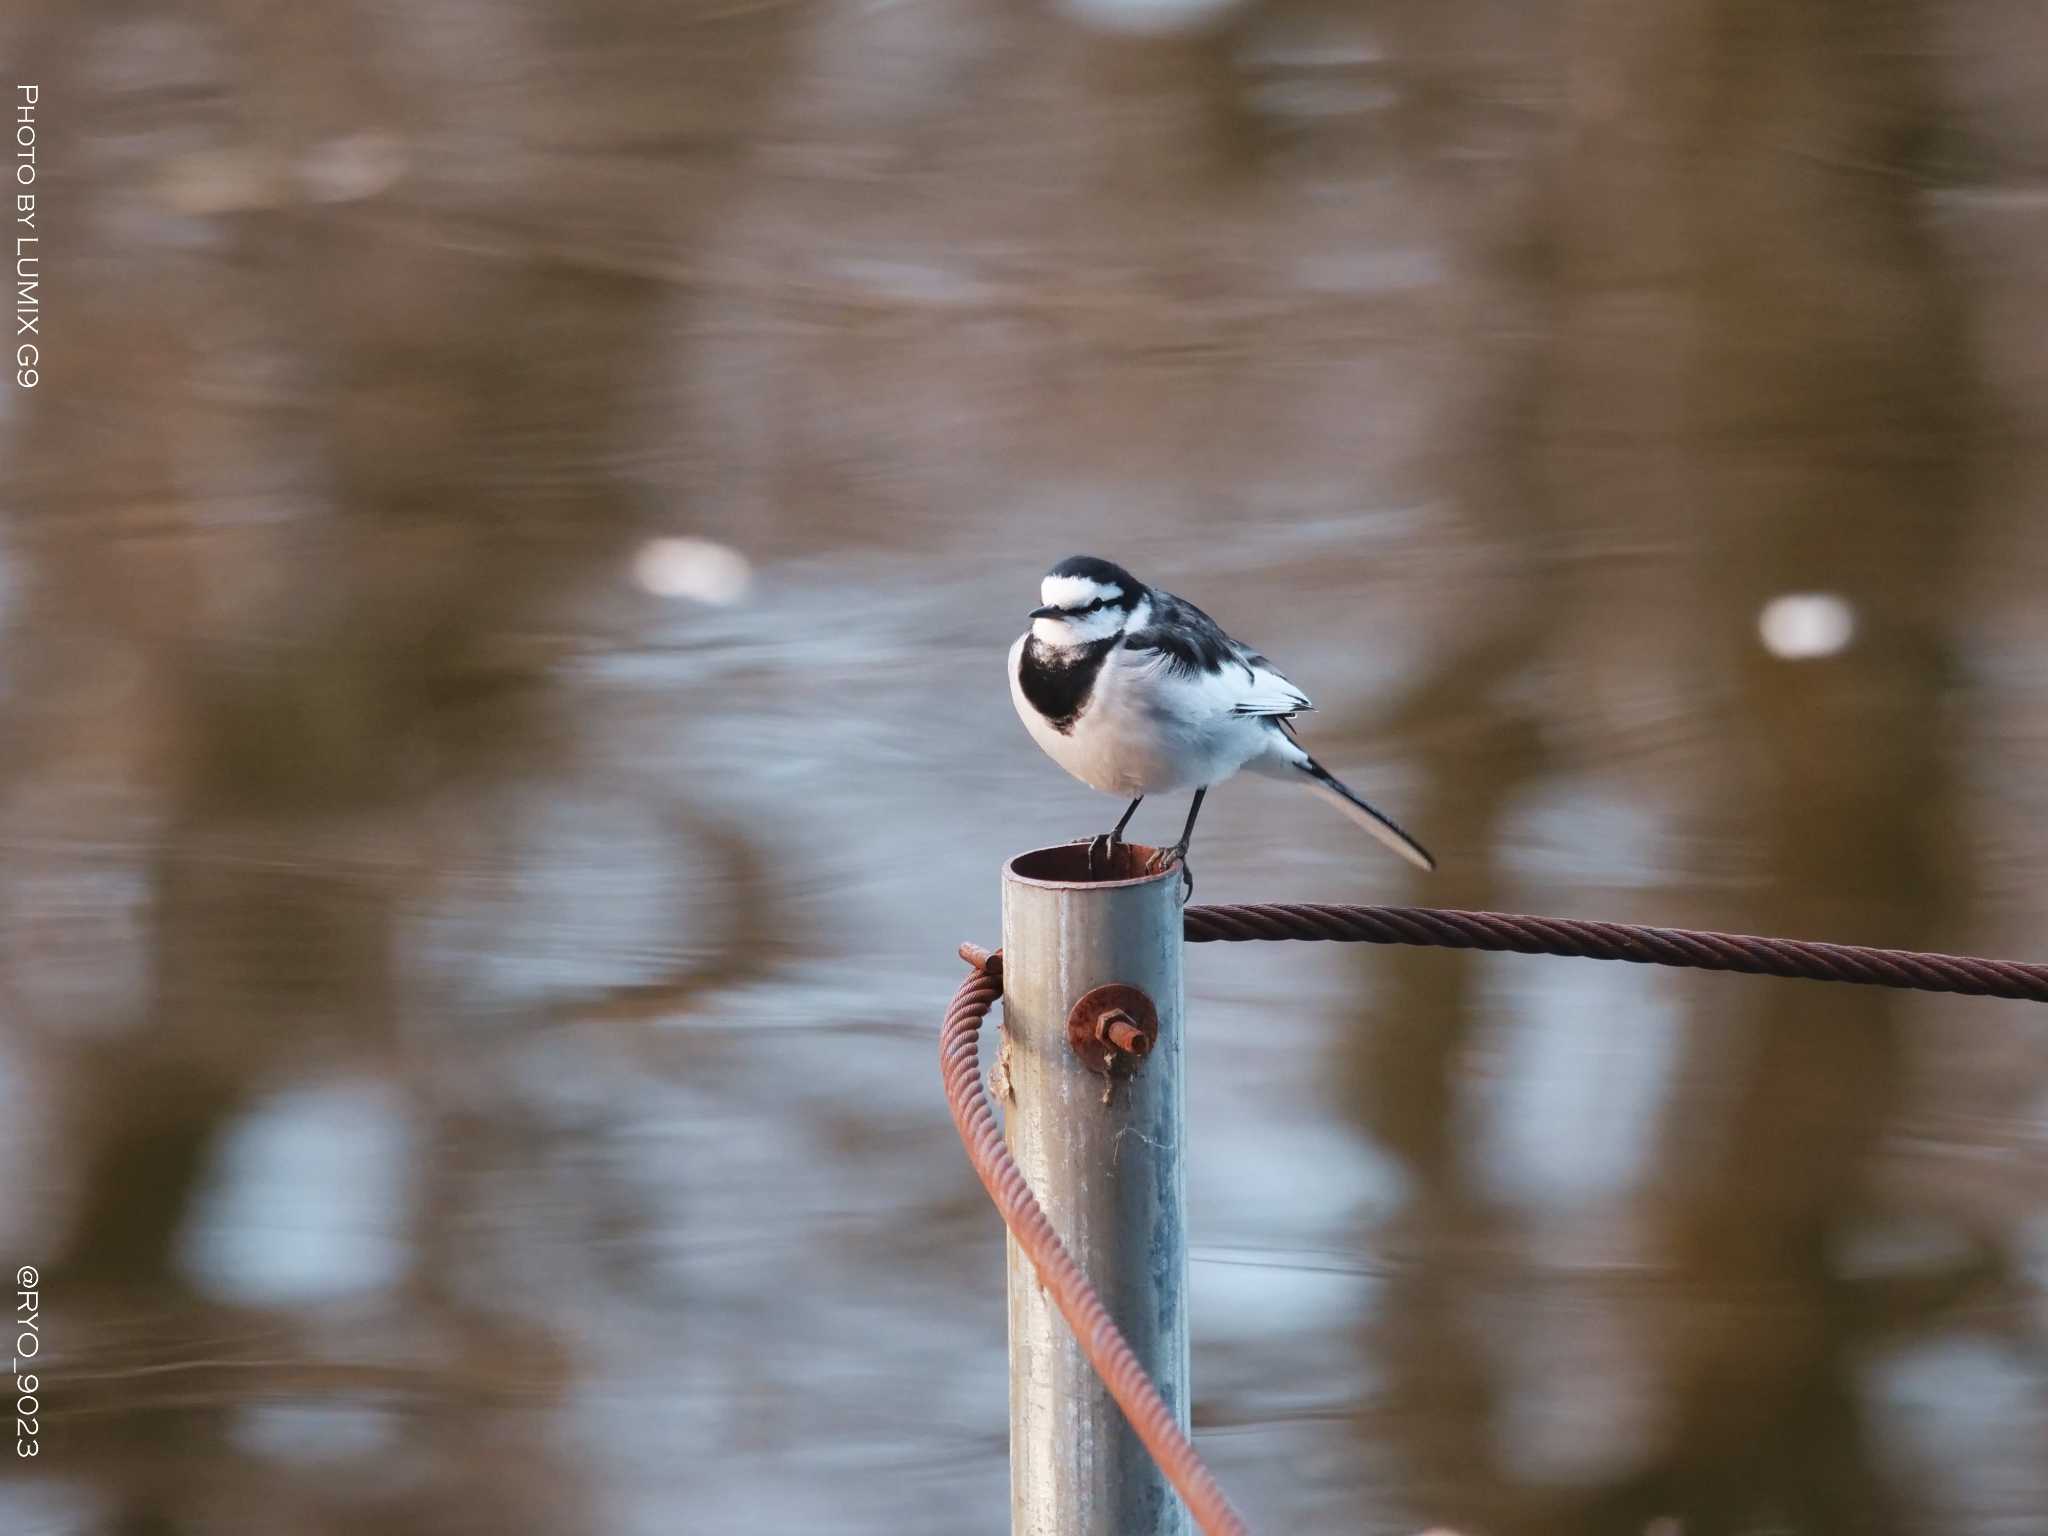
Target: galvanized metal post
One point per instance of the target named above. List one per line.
(1102, 1151)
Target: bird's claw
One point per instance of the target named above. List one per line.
(1165, 859)
(1102, 853)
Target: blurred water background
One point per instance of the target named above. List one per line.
(504, 585)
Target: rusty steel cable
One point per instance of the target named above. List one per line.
(1518, 933)
(1428, 927)
(1099, 1336)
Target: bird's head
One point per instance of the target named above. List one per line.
(1084, 600)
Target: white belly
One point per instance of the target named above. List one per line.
(1132, 739)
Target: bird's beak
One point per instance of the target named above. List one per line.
(1046, 613)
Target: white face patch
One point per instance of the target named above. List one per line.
(1086, 625)
(1091, 611)
(1075, 591)
(1081, 629)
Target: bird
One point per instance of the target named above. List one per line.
(1137, 692)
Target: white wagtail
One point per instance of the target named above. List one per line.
(1137, 692)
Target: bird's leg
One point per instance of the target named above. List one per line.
(1103, 848)
(1116, 834)
(1178, 853)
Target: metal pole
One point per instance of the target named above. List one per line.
(1102, 1151)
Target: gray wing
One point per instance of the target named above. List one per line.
(1187, 641)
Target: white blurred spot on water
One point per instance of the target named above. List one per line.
(1152, 18)
(598, 902)
(694, 568)
(313, 1433)
(1588, 831)
(351, 168)
(1259, 1178)
(49, 1507)
(1262, 1295)
(1799, 626)
(307, 1199)
(1960, 1415)
(1586, 1067)
(914, 282)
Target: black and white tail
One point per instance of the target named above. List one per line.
(1327, 786)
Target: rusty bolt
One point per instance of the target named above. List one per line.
(1113, 1028)
(1119, 1029)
